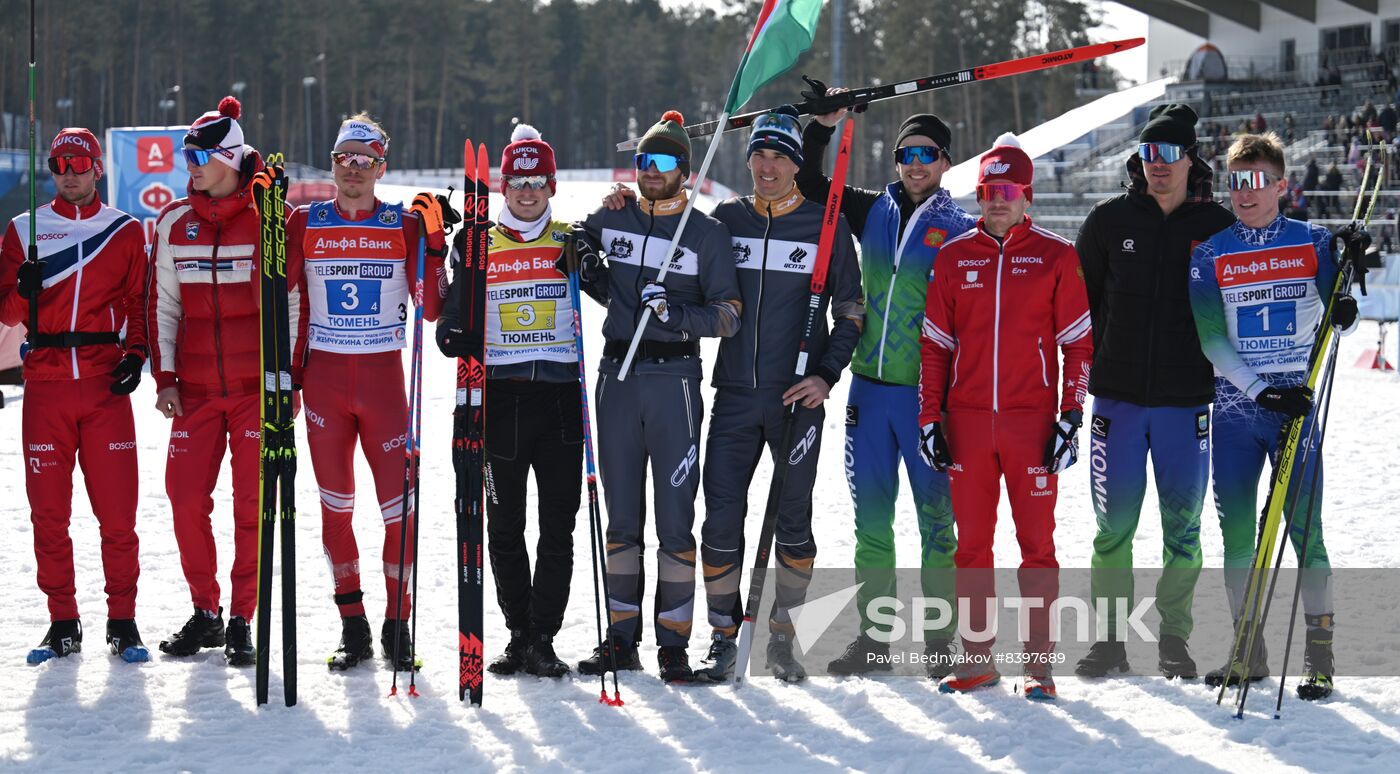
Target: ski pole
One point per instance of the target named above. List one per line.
(410, 448)
(831, 217)
(33, 251)
(595, 520)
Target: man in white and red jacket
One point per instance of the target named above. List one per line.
(1002, 297)
(88, 282)
(205, 335)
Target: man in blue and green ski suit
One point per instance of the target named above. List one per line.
(900, 231)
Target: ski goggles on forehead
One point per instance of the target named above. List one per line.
(1160, 152)
(1009, 192)
(664, 162)
(76, 164)
(779, 121)
(533, 182)
(199, 157)
(1250, 179)
(924, 154)
(356, 160)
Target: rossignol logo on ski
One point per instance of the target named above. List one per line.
(682, 472)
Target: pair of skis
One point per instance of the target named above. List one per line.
(277, 473)
(469, 423)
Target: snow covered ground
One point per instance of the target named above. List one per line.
(91, 711)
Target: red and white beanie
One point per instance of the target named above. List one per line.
(527, 155)
(75, 141)
(1007, 161)
(220, 129)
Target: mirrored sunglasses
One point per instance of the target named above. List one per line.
(356, 160)
(1250, 179)
(198, 157)
(1009, 192)
(664, 162)
(533, 182)
(76, 164)
(1163, 152)
(924, 154)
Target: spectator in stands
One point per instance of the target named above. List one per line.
(1389, 119)
(1295, 202)
(1259, 125)
(1332, 181)
(1311, 174)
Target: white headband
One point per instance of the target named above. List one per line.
(359, 131)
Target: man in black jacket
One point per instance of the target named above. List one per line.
(1152, 386)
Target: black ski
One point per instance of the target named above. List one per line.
(277, 475)
(469, 424)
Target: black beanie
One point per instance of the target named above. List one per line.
(1174, 123)
(928, 125)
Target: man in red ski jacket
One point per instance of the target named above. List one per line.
(358, 260)
(205, 335)
(1002, 297)
(88, 283)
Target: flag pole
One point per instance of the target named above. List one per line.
(666, 257)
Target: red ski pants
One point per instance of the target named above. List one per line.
(349, 399)
(198, 438)
(988, 447)
(82, 421)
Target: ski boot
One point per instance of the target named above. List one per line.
(611, 655)
(1103, 657)
(1038, 684)
(781, 662)
(63, 637)
(862, 655)
(125, 641)
(674, 664)
(939, 658)
(1174, 658)
(511, 660)
(977, 671)
(238, 648)
(205, 629)
(1317, 661)
(718, 665)
(1231, 673)
(540, 659)
(356, 644)
(395, 633)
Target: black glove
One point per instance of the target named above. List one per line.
(581, 254)
(452, 341)
(1063, 447)
(933, 447)
(29, 281)
(127, 374)
(450, 217)
(1344, 311)
(1292, 402)
(1355, 240)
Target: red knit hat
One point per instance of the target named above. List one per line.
(1007, 161)
(527, 155)
(75, 141)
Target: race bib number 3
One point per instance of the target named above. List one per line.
(352, 297)
(527, 316)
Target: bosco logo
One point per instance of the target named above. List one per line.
(156, 196)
